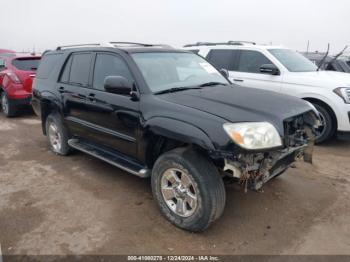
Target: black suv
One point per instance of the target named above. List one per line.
(168, 114)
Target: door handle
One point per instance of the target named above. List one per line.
(61, 90)
(91, 97)
(238, 80)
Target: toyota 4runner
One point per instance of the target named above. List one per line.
(168, 114)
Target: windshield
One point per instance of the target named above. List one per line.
(293, 61)
(163, 71)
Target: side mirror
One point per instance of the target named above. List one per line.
(270, 69)
(224, 72)
(118, 85)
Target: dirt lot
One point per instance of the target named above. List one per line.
(78, 204)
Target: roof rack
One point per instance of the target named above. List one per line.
(221, 43)
(112, 44)
(138, 44)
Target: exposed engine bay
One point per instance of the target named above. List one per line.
(252, 170)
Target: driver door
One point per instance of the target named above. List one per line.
(113, 119)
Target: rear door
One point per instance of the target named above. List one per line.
(247, 73)
(72, 87)
(113, 118)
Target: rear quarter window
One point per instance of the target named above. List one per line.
(26, 64)
(47, 65)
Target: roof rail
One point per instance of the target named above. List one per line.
(138, 44)
(110, 44)
(77, 45)
(241, 42)
(221, 43)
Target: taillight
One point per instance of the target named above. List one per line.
(13, 77)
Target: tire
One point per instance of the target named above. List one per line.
(57, 134)
(204, 183)
(7, 106)
(329, 127)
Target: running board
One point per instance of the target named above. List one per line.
(112, 157)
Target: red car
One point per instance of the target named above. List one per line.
(16, 76)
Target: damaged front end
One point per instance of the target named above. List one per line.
(253, 170)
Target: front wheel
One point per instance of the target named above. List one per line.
(188, 188)
(328, 126)
(7, 106)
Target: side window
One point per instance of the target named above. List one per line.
(223, 58)
(48, 65)
(65, 74)
(109, 65)
(251, 61)
(80, 68)
(2, 64)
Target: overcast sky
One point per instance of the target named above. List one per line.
(48, 23)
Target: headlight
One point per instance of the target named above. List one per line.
(253, 135)
(344, 93)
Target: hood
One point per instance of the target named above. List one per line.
(330, 79)
(241, 104)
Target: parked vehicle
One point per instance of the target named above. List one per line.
(169, 114)
(332, 63)
(6, 51)
(282, 70)
(329, 64)
(16, 75)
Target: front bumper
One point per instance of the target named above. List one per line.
(342, 112)
(278, 166)
(343, 135)
(254, 171)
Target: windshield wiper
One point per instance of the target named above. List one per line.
(212, 84)
(175, 89)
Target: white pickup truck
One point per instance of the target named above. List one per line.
(283, 70)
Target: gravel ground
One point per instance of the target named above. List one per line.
(80, 205)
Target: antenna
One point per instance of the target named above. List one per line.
(307, 47)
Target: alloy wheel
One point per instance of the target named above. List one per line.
(55, 137)
(4, 103)
(323, 126)
(179, 192)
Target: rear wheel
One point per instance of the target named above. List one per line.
(328, 126)
(7, 106)
(57, 134)
(188, 188)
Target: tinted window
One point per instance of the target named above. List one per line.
(223, 58)
(47, 65)
(109, 65)
(26, 64)
(251, 61)
(80, 68)
(2, 63)
(65, 74)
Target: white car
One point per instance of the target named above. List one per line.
(283, 70)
